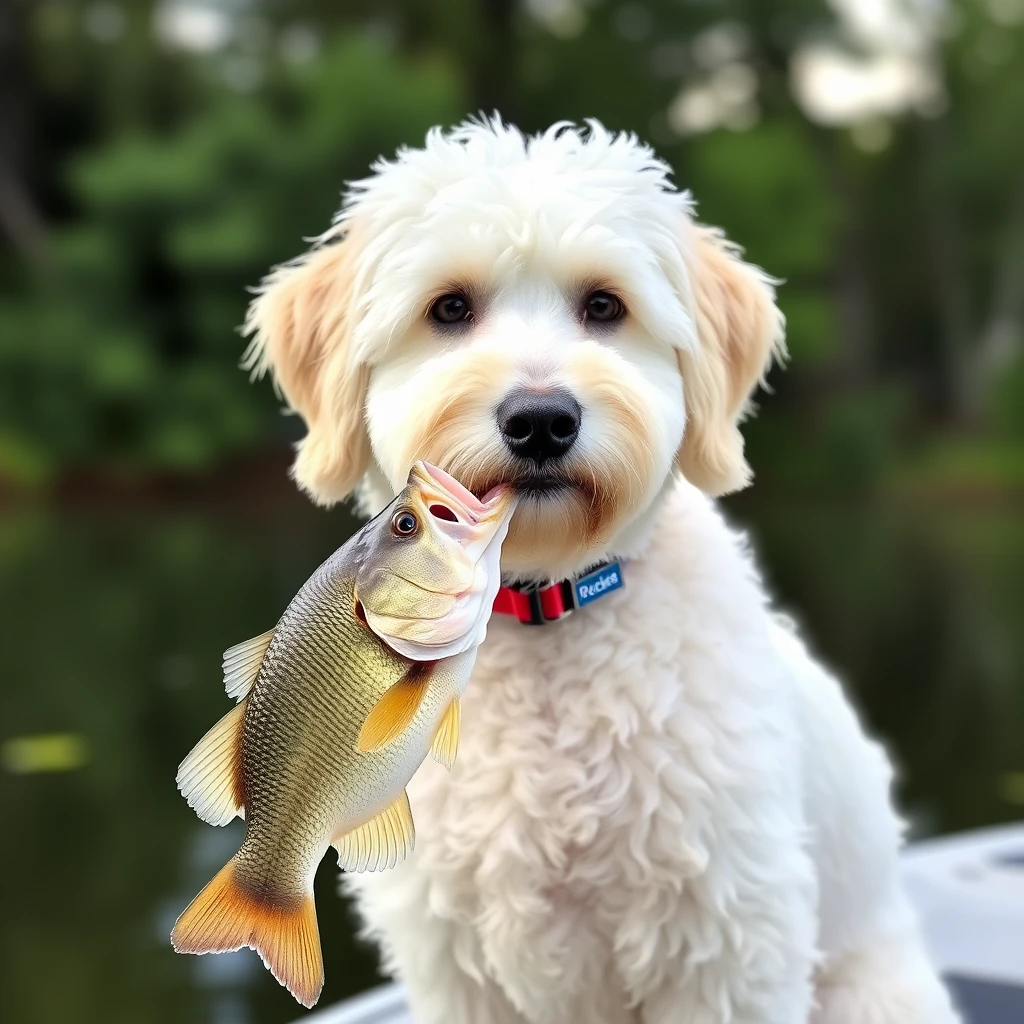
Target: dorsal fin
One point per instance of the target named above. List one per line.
(382, 842)
(242, 664)
(210, 778)
(391, 715)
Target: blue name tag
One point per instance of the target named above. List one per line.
(598, 583)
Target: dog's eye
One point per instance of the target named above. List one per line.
(603, 307)
(450, 309)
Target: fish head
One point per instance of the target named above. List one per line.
(430, 571)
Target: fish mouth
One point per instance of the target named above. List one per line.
(447, 499)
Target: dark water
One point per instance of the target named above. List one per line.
(113, 622)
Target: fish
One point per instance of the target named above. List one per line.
(338, 705)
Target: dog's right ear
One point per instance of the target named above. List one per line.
(301, 325)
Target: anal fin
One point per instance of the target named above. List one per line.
(382, 842)
(446, 739)
(210, 778)
(393, 713)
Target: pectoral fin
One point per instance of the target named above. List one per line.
(210, 778)
(446, 739)
(393, 713)
(384, 841)
(242, 664)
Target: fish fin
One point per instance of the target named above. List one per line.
(391, 715)
(225, 916)
(446, 739)
(382, 842)
(210, 778)
(242, 664)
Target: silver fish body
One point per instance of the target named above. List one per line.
(338, 706)
(305, 779)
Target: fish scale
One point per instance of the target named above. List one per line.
(337, 709)
(305, 668)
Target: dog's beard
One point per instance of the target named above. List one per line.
(569, 496)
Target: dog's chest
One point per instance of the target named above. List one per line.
(562, 813)
(559, 771)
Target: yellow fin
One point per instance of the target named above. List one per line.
(210, 778)
(225, 916)
(391, 715)
(446, 739)
(382, 842)
(242, 664)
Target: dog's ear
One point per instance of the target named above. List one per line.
(739, 331)
(301, 323)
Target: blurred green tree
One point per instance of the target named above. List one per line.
(123, 348)
(158, 156)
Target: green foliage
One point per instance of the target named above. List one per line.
(134, 342)
(784, 215)
(1006, 401)
(169, 175)
(843, 445)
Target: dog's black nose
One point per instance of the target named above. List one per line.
(539, 425)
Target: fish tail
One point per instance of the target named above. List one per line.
(226, 916)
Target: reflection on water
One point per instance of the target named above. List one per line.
(56, 752)
(920, 611)
(113, 626)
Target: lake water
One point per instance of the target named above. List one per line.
(113, 623)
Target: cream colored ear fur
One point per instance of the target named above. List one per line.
(739, 331)
(301, 324)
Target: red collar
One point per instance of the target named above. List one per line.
(537, 606)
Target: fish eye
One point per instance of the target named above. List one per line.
(603, 308)
(403, 524)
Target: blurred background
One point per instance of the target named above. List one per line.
(158, 156)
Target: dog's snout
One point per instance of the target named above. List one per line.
(539, 425)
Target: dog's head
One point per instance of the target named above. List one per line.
(539, 310)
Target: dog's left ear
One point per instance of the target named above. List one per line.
(739, 331)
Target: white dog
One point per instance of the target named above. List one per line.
(663, 810)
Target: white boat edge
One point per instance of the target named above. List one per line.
(384, 1004)
(968, 890)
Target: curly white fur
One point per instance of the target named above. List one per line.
(663, 810)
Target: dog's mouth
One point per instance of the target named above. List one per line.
(534, 485)
(570, 493)
(542, 486)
